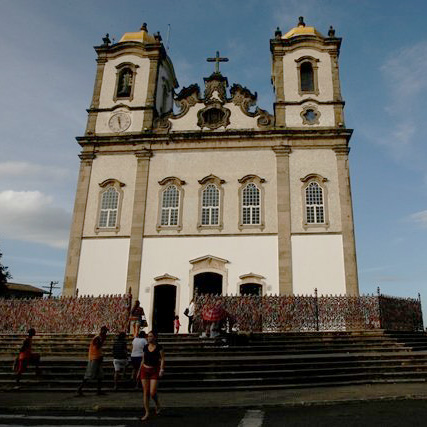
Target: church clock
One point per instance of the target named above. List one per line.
(119, 122)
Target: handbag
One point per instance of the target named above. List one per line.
(186, 311)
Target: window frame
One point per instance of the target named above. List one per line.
(105, 186)
(315, 68)
(252, 278)
(205, 182)
(164, 185)
(119, 69)
(321, 182)
(258, 182)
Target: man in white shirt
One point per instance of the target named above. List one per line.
(190, 316)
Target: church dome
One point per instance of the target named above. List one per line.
(302, 30)
(141, 36)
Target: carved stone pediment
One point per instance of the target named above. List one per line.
(215, 114)
(209, 262)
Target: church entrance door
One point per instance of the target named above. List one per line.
(164, 308)
(208, 283)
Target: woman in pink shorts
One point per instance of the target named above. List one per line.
(152, 367)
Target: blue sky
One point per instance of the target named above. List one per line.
(47, 75)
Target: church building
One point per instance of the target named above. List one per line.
(199, 190)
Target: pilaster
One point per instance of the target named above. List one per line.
(76, 232)
(349, 244)
(151, 92)
(336, 87)
(279, 105)
(91, 121)
(284, 219)
(138, 222)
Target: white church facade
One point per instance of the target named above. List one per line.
(216, 194)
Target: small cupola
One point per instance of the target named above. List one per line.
(302, 30)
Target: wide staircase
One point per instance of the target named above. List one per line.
(244, 362)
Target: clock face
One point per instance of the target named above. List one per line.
(119, 122)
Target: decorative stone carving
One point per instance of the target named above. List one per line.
(310, 115)
(188, 97)
(216, 83)
(213, 116)
(162, 123)
(265, 119)
(245, 99)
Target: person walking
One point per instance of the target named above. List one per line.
(26, 357)
(136, 318)
(152, 367)
(190, 316)
(94, 366)
(120, 357)
(176, 324)
(138, 345)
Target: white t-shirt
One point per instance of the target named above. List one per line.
(138, 347)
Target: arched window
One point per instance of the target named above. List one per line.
(251, 199)
(307, 67)
(109, 208)
(314, 204)
(124, 87)
(211, 196)
(307, 77)
(251, 205)
(171, 197)
(170, 206)
(210, 205)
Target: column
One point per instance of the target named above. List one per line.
(284, 219)
(76, 232)
(349, 244)
(138, 223)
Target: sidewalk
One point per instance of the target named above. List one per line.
(22, 401)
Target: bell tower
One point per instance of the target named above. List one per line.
(305, 78)
(134, 83)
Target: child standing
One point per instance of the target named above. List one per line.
(176, 324)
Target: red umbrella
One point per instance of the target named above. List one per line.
(213, 314)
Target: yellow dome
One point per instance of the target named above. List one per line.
(138, 36)
(302, 30)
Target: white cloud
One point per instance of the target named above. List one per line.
(32, 216)
(419, 218)
(31, 170)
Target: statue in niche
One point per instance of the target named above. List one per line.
(125, 83)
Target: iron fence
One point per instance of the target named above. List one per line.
(272, 313)
(84, 314)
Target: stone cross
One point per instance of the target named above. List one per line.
(217, 60)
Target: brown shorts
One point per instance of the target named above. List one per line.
(150, 373)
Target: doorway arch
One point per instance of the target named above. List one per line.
(164, 308)
(208, 283)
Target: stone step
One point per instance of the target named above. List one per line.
(247, 383)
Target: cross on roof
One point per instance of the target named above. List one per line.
(217, 60)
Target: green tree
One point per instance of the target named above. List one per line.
(4, 276)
